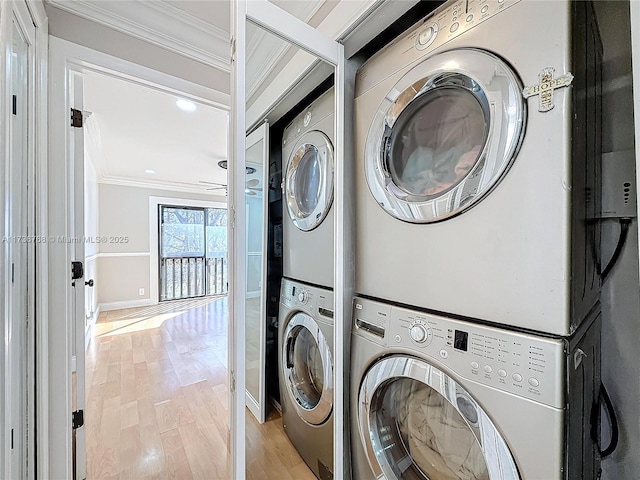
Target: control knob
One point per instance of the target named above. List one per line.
(419, 333)
(303, 296)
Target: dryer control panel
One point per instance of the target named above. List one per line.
(519, 363)
(309, 118)
(446, 23)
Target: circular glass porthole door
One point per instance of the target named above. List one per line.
(417, 423)
(308, 369)
(444, 136)
(308, 186)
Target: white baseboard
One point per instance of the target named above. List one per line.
(107, 307)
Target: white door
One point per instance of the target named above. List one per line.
(257, 202)
(273, 19)
(17, 245)
(76, 142)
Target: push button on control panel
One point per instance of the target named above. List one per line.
(474, 365)
(517, 377)
(534, 382)
(488, 369)
(502, 373)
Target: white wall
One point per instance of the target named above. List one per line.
(124, 263)
(107, 40)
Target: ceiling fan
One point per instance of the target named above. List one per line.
(251, 187)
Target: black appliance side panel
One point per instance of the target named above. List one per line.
(583, 388)
(586, 182)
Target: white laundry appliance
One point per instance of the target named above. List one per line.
(438, 398)
(307, 186)
(478, 160)
(305, 345)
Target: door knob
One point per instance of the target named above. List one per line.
(90, 283)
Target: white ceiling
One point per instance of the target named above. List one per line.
(136, 128)
(141, 128)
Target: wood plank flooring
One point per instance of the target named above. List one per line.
(157, 399)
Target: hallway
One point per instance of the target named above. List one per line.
(157, 398)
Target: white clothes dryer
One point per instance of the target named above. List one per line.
(305, 345)
(307, 187)
(437, 398)
(471, 198)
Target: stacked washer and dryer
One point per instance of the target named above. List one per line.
(305, 328)
(476, 327)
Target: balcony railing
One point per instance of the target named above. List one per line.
(189, 277)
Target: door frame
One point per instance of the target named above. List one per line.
(33, 13)
(55, 344)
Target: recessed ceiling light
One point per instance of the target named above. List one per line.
(150, 171)
(186, 105)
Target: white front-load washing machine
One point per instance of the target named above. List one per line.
(438, 398)
(305, 345)
(478, 153)
(307, 187)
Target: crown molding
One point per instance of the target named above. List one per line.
(159, 23)
(157, 185)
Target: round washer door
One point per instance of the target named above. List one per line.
(444, 136)
(308, 186)
(308, 369)
(417, 423)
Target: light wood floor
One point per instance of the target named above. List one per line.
(157, 399)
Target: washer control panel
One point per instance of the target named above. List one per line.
(522, 364)
(307, 298)
(296, 295)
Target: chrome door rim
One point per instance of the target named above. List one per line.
(505, 132)
(324, 407)
(318, 140)
(396, 367)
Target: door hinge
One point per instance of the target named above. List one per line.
(233, 49)
(232, 220)
(77, 270)
(15, 104)
(77, 419)
(13, 273)
(76, 118)
(233, 381)
(12, 439)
